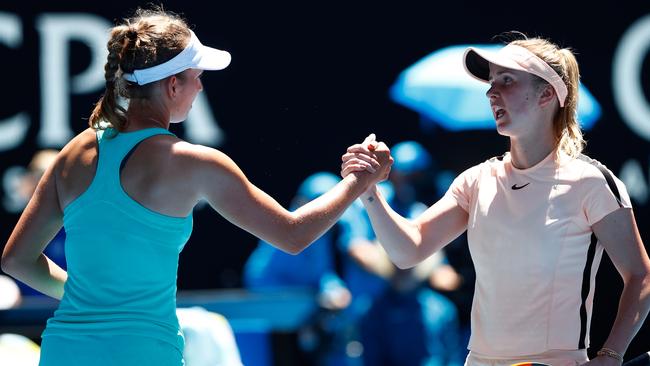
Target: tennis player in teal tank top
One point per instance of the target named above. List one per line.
(124, 190)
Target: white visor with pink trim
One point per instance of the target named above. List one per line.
(477, 64)
(194, 56)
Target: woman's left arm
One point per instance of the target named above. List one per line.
(619, 235)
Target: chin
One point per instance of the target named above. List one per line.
(178, 120)
(503, 128)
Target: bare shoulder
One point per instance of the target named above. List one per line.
(211, 172)
(81, 149)
(199, 157)
(84, 140)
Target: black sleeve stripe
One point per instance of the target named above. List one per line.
(608, 177)
(586, 286)
(586, 274)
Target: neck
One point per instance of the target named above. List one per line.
(525, 153)
(143, 113)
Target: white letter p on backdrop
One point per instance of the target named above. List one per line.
(56, 31)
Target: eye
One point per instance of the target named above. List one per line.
(507, 79)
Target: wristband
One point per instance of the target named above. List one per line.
(610, 353)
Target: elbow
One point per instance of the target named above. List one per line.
(291, 245)
(8, 264)
(406, 261)
(645, 281)
(409, 257)
(295, 249)
(295, 246)
(296, 237)
(640, 277)
(645, 285)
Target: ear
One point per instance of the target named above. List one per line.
(171, 86)
(546, 95)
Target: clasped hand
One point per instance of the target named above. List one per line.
(370, 156)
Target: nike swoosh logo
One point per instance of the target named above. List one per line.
(515, 187)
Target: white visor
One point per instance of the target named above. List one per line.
(514, 57)
(194, 56)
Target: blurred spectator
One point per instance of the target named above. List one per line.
(20, 182)
(209, 339)
(9, 293)
(19, 185)
(17, 350)
(401, 319)
(415, 174)
(269, 268)
(315, 268)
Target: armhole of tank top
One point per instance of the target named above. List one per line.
(132, 150)
(126, 193)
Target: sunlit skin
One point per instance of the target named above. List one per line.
(524, 113)
(170, 176)
(189, 86)
(523, 109)
(171, 101)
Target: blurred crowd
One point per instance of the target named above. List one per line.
(370, 311)
(373, 313)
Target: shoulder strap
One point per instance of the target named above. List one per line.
(115, 147)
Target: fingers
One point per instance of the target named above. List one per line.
(381, 146)
(367, 146)
(369, 139)
(370, 142)
(364, 165)
(351, 168)
(371, 156)
(360, 148)
(360, 156)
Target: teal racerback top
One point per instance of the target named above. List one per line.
(122, 257)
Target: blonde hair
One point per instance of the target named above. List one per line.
(568, 135)
(149, 38)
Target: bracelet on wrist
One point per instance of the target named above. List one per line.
(608, 352)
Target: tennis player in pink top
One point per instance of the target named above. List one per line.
(538, 219)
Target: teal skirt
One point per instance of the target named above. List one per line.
(107, 350)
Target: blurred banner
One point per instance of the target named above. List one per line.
(308, 80)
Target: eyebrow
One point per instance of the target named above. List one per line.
(498, 73)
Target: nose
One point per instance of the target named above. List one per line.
(491, 93)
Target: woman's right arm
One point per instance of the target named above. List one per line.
(409, 242)
(23, 256)
(231, 194)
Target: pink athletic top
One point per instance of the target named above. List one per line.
(530, 237)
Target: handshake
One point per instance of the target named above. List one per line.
(370, 159)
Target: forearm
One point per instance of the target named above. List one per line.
(399, 236)
(633, 308)
(313, 219)
(42, 275)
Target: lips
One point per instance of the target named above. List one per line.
(498, 111)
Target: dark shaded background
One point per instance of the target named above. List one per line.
(310, 78)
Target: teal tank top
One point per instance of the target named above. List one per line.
(122, 257)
